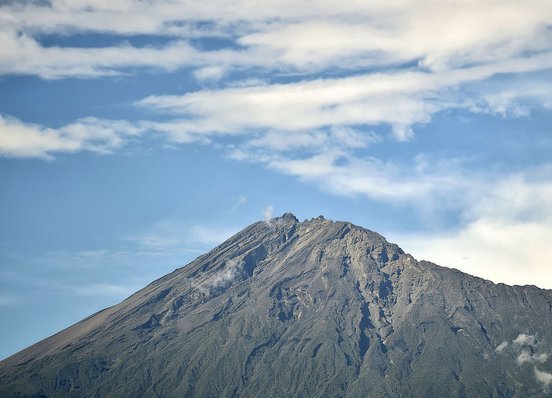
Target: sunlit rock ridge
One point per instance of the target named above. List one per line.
(301, 309)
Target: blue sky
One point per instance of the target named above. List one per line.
(135, 136)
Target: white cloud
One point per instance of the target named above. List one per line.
(314, 36)
(267, 213)
(126, 17)
(232, 269)
(369, 99)
(18, 139)
(501, 347)
(543, 377)
(398, 99)
(528, 357)
(284, 141)
(514, 98)
(343, 173)
(310, 140)
(525, 339)
(506, 233)
(438, 35)
(21, 54)
(314, 114)
(210, 73)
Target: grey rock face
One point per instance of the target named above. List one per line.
(310, 309)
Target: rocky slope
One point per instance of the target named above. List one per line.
(310, 309)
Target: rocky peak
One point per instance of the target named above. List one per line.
(289, 217)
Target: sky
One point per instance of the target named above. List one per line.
(135, 135)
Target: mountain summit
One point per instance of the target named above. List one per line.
(301, 309)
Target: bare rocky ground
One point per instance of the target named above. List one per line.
(301, 309)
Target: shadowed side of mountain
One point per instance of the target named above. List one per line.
(315, 308)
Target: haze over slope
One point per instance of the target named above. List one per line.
(315, 308)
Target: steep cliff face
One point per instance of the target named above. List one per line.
(287, 309)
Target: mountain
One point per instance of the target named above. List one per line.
(301, 309)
